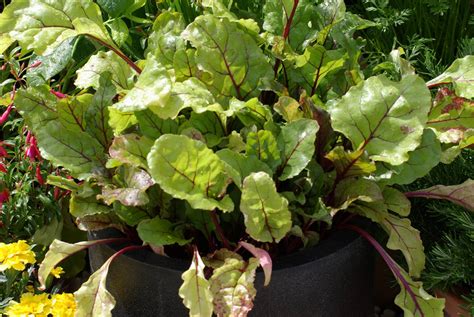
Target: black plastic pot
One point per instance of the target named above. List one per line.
(333, 279)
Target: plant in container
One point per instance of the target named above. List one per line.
(234, 142)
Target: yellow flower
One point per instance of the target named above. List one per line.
(15, 255)
(57, 271)
(30, 305)
(64, 305)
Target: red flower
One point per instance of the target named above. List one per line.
(58, 94)
(39, 177)
(3, 168)
(4, 195)
(5, 114)
(3, 152)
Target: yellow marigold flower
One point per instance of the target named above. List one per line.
(57, 271)
(16, 255)
(64, 305)
(30, 305)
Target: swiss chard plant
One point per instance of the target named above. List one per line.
(221, 134)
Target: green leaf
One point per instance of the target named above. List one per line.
(267, 218)
(350, 164)
(43, 25)
(58, 251)
(195, 290)
(231, 56)
(132, 216)
(388, 118)
(187, 169)
(121, 121)
(159, 232)
(351, 190)
(263, 145)
(425, 305)
(396, 201)
(297, 140)
(251, 112)
(119, 31)
(210, 125)
(184, 64)
(151, 91)
(304, 25)
(5, 42)
(153, 126)
(48, 233)
(232, 287)
(89, 74)
(92, 298)
(315, 64)
(238, 166)
(37, 106)
(288, 108)
(97, 114)
(166, 37)
(462, 194)
(129, 149)
(80, 207)
(115, 8)
(421, 161)
(74, 150)
(461, 74)
(51, 64)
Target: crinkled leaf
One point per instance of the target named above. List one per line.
(251, 112)
(160, 232)
(315, 64)
(264, 146)
(350, 164)
(264, 260)
(42, 25)
(153, 126)
(297, 141)
(151, 91)
(383, 118)
(51, 64)
(238, 166)
(288, 108)
(130, 149)
(232, 287)
(89, 74)
(184, 64)
(115, 8)
(231, 56)
(97, 114)
(461, 74)
(421, 161)
(195, 290)
(415, 301)
(92, 298)
(267, 218)
(166, 37)
(187, 169)
(37, 106)
(58, 251)
(462, 194)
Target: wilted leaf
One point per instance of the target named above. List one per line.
(130, 149)
(264, 260)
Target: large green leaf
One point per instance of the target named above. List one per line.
(267, 218)
(51, 64)
(384, 118)
(37, 106)
(159, 232)
(315, 64)
(350, 164)
(89, 74)
(421, 161)
(288, 108)
(75, 150)
(462, 194)
(92, 297)
(81, 207)
(42, 25)
(153, 126)
(97, 114)
(151, 91)
(231, 56)
(297, 141)
(187, 169)
(461, 73)
(232, 287)
(120, 121)
(239, 166)
(251, 112)
(58, 251)
(264, 146)
(195, 291)
(165, 39)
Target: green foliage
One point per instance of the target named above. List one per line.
(230, 133)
